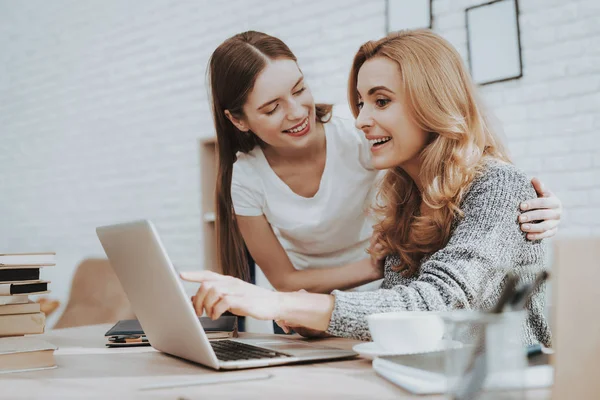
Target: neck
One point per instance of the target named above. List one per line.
(413, 169)
(277, 155)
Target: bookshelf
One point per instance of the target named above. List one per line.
(208, 183)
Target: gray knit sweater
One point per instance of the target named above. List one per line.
(468, 272)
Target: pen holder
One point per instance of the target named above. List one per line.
(492, 356)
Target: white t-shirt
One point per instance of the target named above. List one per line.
(333, 227)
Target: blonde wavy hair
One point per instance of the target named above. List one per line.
(440, 97)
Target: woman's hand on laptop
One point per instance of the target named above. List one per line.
(301, 330)
(219, 293)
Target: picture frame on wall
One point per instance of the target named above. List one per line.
(408, 14)
(493, 41)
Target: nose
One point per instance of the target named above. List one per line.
(296, 111)
(364, 121)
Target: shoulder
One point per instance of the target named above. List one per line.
(499, 182)
(250, 159)
(246, 167)
(502, 176)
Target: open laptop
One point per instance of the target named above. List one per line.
(168, 318)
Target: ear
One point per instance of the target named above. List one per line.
(239, 123)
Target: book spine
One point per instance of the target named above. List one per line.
(27, 259)
(19, 299)
(17, 275)
(14, 309)
(22, 324)
(8, 289)
(5, 289)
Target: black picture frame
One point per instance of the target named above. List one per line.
(387, 17)
(471, 51)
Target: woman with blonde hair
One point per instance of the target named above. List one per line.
(448, 223)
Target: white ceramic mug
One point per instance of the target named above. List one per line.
(406, 331)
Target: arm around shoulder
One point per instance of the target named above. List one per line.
(483, 244)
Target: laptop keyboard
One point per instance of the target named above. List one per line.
(229, 350)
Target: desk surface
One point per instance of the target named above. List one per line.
(87, 369)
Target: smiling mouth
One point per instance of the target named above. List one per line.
(379, 141)
(298, 128)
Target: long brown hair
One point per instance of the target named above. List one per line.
(233, 69)
(441, 99)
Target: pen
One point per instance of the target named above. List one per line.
(120, 337)
(525, 291)
(476, 371)
(537, 349)
(132, 339)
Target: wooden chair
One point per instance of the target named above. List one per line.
(575, 322)
(96, 297)
(48, 305)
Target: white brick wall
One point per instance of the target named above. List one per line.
(551, 116)
(102, 103)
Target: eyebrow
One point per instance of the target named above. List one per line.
(376, 88)
(274, 100)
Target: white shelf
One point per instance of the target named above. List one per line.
(208, 183)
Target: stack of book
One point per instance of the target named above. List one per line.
(20, 316)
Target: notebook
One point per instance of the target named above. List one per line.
(425, 374)
(221, 328)
(127, 341)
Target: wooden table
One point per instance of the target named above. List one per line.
(87, 369)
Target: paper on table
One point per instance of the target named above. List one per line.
(70, 351)
(212, 379)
